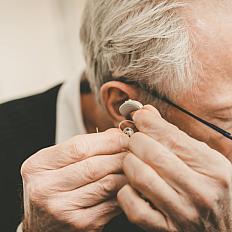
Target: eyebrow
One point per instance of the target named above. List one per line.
(223, 109)
(217, 105)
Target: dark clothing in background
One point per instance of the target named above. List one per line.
(26, 126)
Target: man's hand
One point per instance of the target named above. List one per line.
(72, 187)
(176, 183)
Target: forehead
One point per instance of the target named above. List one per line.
(210, 26)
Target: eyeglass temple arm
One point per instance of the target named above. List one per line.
(212, 126)
(163, 98)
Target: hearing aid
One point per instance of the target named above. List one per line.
(128, 126)
(129, 106)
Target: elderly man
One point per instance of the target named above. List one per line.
(175, 173)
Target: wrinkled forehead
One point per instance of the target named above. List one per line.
(211, 29)
(210, 25)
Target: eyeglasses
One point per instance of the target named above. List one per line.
(155, 94)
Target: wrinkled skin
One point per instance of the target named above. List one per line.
(73, 186)
(175, 178)
(176, 183)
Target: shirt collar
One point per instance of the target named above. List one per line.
(69, 120)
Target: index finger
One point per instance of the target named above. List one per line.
(79, 148)
(149, 121)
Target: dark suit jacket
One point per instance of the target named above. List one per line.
(26, 126)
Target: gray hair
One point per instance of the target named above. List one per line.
(142, 40)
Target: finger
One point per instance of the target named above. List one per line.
(141, 213)
(154, 188)
(86, 171)
(172, 169)
(193, 152)
(96, 217)
(92, 194)
(78, 148)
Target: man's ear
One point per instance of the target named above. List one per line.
(113, 95)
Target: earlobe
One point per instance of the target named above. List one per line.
(113, 95)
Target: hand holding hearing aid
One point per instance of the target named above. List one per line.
(72, 186)
(174, 181)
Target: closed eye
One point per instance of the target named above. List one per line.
(224, 115)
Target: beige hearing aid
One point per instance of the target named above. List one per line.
(127, 126)
(129, 106)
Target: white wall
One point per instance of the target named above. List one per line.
(39, 45)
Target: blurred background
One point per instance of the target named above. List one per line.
(39, 45)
